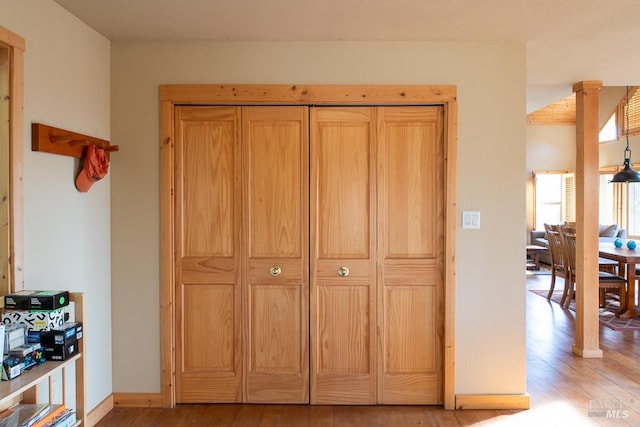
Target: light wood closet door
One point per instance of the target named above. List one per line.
(377, 208)
(343, 294)
(207, 235)
(276, 206)
(410, 254)
(352, 248)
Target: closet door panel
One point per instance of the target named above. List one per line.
(343, 267)
(343, 195)
(410, 248)
(207, 230)
(411, 183)
(276, 198)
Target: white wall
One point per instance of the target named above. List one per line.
(490, 353)
(67, 233)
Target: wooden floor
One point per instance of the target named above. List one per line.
(565, 390)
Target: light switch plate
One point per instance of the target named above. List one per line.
(470, 219)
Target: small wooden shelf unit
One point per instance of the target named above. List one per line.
(24, 389)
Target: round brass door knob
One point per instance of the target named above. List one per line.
(275, 271)
(343, 271)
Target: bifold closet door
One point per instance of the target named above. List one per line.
(410, 254)
(309, 254)
(377, 251)
(276, 207)
(208, 220)
(242, 254)
(343, 293)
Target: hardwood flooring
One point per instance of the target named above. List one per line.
(564, 389)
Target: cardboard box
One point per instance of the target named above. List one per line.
(35, 321)
(70, 331)
(61, 351)
(11, 368)
(23, 350)
(48, 300)
(14, 366)
(32, 359)
(33, 337)
(18, 300)
(14, 336)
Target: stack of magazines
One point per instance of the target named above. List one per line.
(37, 415)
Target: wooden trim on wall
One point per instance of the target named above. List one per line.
(12, 39)
(451, 147)
(15, 151)
(100, 411)
(171, 95)
(167, 260)
(138, 400)
(493, 401)
(306, 94)
(17, 46)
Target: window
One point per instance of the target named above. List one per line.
(616, 126)
(630, 206)
(607, 214)
(609, 131)
(555, 198)
(633, 209)
(630, 112)
(620, 203)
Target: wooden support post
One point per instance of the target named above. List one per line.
(587, 342)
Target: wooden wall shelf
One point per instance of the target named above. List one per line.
(59, 141)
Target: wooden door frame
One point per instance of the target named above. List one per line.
(172, 95)
(15, 212)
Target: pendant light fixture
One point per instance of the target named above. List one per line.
(627, 174)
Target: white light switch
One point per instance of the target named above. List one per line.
(470, 219)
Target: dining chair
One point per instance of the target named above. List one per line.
(606, 280)
(557, 260)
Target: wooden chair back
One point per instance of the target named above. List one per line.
(555, 247)
(605, 280)
(568, 244)
(558, 268)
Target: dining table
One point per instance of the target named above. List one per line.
(627, 260)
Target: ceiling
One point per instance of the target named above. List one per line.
(567, 40)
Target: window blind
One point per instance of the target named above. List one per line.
(568, 197)
(633, 108)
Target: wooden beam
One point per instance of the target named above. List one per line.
(587, 342)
